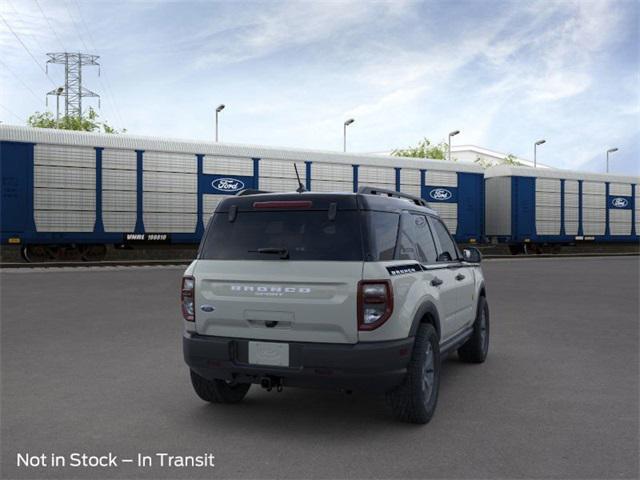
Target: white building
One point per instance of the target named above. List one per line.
(470, 153)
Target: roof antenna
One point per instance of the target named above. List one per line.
(300, 188)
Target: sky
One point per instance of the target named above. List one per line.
(504, 73)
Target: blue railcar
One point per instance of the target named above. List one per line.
(66, 190)
(526, 206)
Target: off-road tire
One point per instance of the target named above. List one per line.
(218, 391)
(476, 348)
(414, 401)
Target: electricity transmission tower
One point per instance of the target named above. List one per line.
(73, 91)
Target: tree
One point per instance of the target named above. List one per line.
(86, 123)
(510, 159)
(424, 149)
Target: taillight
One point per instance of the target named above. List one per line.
(375, 303)
(284, 204)
(187, 298)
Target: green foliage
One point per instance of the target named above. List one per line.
(424, 149)
(511, 160)
(484, 163)
(86, 123)
(508, 160)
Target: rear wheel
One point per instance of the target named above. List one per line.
(415, 400)
(476, 348)
(218, 391)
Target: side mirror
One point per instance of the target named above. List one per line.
(472, 255)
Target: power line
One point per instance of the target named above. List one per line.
(50, 26)
(21, 81)
(33, 37)
(75, 26)
(107, 84)
(28, 51)
(28, 17)
(10, 112)
(73, 90)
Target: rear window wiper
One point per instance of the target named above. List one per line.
(283, 252)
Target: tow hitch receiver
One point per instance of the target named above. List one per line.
(268, 383)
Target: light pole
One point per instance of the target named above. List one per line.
(452, 134)
(218, 110)
(535, 152)
(344, 134)
(611, 150)
(59, 91)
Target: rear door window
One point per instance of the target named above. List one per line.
(426, 244)
(303, 234)
(448, 251)
(382, 233)
(415, 241)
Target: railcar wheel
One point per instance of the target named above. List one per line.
(516, 249)
(36, 253)
(93, 253)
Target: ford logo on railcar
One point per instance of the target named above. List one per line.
(440, 194)
(619, 202)
(228, 184)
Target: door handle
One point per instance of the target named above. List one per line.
(436, 282)
(460, 277)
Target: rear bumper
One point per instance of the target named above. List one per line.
(374, 366)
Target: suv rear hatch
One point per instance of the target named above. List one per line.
(281, 268)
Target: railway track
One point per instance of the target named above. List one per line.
(184, 262)
(104, 263)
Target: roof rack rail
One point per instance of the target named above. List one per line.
(250, 191)
(392, 193)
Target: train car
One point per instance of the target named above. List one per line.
(530, 208)
(67, 191)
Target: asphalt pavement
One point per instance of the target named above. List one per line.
(91, 362)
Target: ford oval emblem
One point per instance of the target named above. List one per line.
(619, 202)
(228, 184)
(207, 308)
(440, 194)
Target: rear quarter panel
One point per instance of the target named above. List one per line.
(410, 292)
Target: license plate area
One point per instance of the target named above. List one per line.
(269, 353)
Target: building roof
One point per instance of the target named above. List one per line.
(493, 153)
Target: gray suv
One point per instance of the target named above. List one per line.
(351, 291)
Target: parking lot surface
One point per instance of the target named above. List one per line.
(92, 362)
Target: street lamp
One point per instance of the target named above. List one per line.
(218, 110)
(535, 152)
(452, 134)
(59, 91)
(611, 150)
(344, 135)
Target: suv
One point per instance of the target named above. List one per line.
(351, 291)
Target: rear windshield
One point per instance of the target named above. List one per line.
(275, 235)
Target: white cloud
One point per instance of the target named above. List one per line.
(291, 72)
